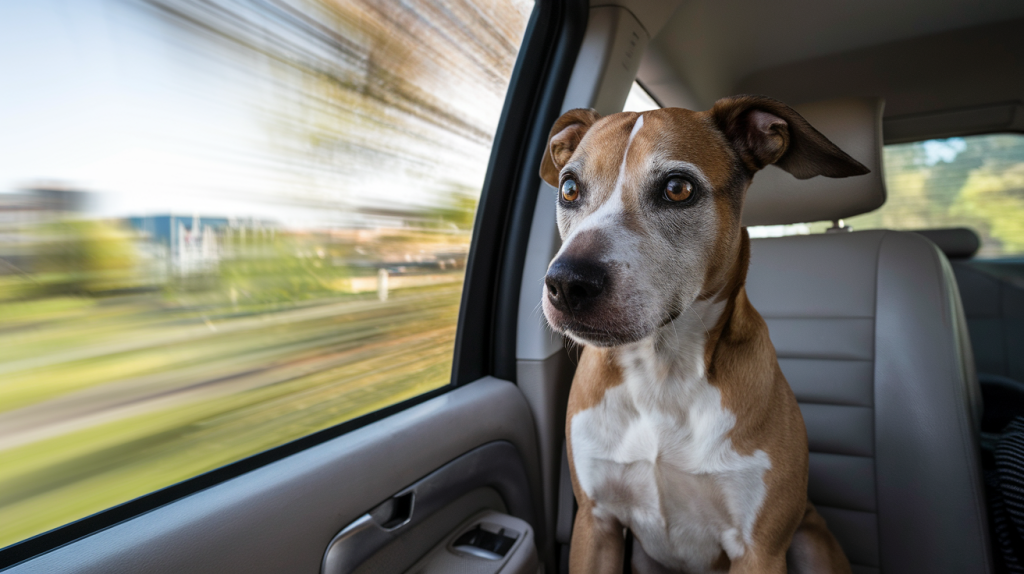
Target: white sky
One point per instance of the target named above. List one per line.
(95, 94)
(95, 101)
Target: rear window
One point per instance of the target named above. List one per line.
(225, 225)
(975, 182)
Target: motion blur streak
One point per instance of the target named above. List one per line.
(226, 224)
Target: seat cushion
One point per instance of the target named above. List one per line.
(869, 333)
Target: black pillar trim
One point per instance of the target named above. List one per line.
(486, 340)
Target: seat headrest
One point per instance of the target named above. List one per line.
(955, 242)
(855, 125)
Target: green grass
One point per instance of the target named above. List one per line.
(102, 402)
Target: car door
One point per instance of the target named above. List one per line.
(307, 383)
(352, 447)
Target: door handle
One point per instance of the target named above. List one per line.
(394, 512)
(368, 533)
(497, 465)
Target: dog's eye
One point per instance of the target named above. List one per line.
(678, 189)
(570, 190)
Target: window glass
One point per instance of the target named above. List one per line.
(639, 100)
(975, 182)
(225, 225)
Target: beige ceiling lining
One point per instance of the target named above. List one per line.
(933, 65)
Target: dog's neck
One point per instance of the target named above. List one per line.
(677, 349)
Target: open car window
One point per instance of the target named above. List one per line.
(225, 226)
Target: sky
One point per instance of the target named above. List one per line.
(101, 95)
(96, 101)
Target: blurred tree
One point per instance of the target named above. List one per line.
(280, 269)
(977, 183)
(84, 257)
(457, 207)
(991, 201)
(369, 87)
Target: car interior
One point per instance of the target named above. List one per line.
(905, 348)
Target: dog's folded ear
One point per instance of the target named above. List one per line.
(765, 131)
(562, 141)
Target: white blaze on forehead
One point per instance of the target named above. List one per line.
(636, 127)
(613, 205)
(622, 167)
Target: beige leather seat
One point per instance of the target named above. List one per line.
(870, 332)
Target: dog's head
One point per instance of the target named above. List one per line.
(649, 207)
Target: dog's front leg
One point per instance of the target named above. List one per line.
(814, 549)
(597, 544)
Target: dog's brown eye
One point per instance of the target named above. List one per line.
(678, 189)
(570, 190)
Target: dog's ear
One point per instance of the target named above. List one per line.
(562, 141)
(764, 131)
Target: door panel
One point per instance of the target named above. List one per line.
(402, 552)
(415, 519)
(281, 517)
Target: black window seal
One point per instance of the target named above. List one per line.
(485, 342)
(550, 43)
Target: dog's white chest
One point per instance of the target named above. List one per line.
(655, 455)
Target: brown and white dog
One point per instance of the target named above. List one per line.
(681, 426)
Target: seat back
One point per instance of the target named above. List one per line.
(993, 298)
(870, 333)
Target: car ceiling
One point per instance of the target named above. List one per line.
(944, 68)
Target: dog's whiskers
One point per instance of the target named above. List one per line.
(706, 331)
(569, 344)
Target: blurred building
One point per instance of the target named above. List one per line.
(21, 210)
(42, 203)
(187, 245)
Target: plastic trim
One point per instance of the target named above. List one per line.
(497, 465)
(279, 517)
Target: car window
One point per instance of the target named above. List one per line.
(639, 100)
(975, 182)
(225, 225)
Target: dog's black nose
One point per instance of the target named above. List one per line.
(572, 285)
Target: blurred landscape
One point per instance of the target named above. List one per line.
(265, 237)
(974, 181)
(129, 363)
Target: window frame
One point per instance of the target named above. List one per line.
(486, 328)
(485, 342)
